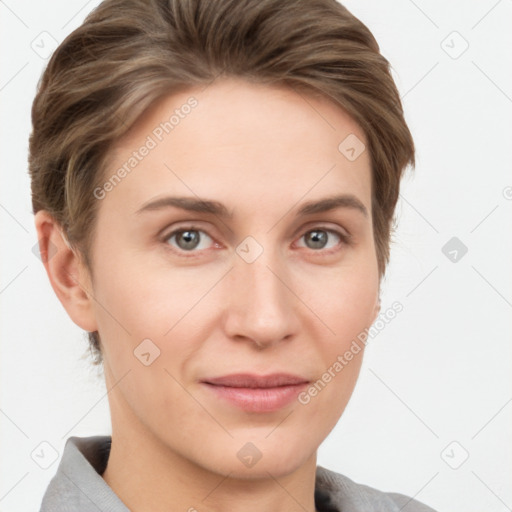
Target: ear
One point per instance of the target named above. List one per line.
(68, 276)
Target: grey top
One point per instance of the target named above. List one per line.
(78, 486)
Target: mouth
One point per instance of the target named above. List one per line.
(257, 393)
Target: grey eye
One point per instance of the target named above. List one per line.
(319, 238)
(316, 239)
(188, 239)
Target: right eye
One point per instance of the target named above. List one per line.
(188, 239)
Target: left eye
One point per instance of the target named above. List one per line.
(318, 238)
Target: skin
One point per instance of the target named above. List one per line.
(262, 151)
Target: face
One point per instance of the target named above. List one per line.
(249, 281)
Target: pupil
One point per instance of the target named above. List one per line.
(319, 238)
(190, 238)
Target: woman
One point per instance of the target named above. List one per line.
(214, 185)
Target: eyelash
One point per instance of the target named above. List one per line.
(344, 238)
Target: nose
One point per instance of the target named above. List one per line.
(260, 306)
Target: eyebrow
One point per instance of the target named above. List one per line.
(216, 208)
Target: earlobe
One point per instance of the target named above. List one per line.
(67, 274)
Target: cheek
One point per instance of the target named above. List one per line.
(346, 310)
(142, 302)
(138, 298)
(343, 298)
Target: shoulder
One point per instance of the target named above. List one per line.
(338, 492)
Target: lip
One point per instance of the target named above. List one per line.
(257, 393)
(251, 380)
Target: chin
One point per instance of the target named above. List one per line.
(257, 459)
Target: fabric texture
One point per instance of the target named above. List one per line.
(78, 486)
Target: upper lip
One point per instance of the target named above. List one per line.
(248, 380)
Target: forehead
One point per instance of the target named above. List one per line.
(238, 138)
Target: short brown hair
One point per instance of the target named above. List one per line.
(129, 53)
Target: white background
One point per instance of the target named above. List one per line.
(439, 372)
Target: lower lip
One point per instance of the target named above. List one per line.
(258, 399)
